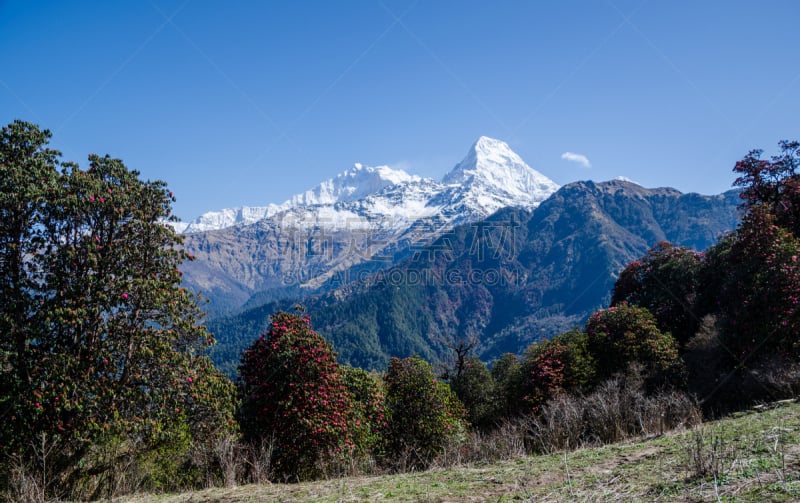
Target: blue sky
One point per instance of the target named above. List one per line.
(246, 103)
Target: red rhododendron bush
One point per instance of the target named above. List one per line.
(296, 397)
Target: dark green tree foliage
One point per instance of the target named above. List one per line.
(293, 395)
(424, 413)
(28, 178)
(368, 403)
(580, 368)
(624, 335)
(664, 281)
(475, 387)
(98, 338)
(507, 374)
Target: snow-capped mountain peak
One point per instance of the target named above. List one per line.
(492, 174)
(486, 157)
(354, 184)
(366, 216)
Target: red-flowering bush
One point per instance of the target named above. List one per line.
(424, 413)
(750, 283)
(294, 395)
(550, 367)
(543, 374)
(754, 282)
(773, 184)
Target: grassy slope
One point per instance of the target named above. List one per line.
(756, 455)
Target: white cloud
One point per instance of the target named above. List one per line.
(579, 158)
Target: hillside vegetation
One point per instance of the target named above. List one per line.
(754, 457)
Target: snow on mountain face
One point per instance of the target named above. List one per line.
(494, 175)
(228, 217)
(355, 183)
(490, 177)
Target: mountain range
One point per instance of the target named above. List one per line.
(490, 177)
(503, 282)
(361, 221)
(389, 264)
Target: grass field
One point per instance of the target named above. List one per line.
(752, 457)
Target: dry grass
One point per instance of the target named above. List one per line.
(752, 457)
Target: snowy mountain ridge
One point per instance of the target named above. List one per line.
(490, 177)
(353, 184)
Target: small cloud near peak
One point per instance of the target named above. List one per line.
(579, 158)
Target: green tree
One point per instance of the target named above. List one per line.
(28, 178)
(507, 374)
(369, 419)
(424, 413)
(664, 282)
(99, 339)
(293, 394)
(580, 368)
(624, 335)
(475, 387)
